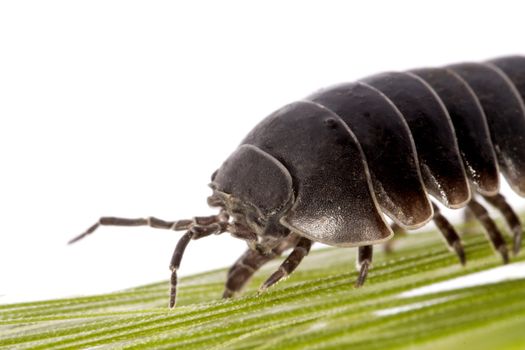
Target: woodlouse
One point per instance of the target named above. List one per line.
(324, 169)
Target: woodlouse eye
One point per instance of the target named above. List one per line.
(331, 123)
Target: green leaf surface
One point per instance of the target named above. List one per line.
(316, 308)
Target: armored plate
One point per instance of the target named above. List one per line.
(248, 174)
(471, 127)
(505, 114)
(514, 68)
(433, 133)
(389, 149)
(334, 200)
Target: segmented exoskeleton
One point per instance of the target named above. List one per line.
(326, 168)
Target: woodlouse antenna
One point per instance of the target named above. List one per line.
(150, 221)
(198, 227)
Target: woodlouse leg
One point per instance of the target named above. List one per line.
(388, 246)
(493, 233)
(194, 232)
(364, 261)
(154, 222)
(449, 233)
(243, 269)
(288, 266)
(251, 261)
(513, 221)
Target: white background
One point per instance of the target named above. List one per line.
(125, 108)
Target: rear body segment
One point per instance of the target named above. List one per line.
(470, 124)
(505, 114)
(433, 132)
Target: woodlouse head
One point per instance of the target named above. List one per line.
(254, 189)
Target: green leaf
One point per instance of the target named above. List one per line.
(317, 307)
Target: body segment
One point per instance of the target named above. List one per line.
(505, 115)
(433, 133)
(375, 120)
(333, 201)
(470, 125)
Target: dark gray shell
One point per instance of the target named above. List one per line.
(376, 121)
(505, 116)
(470, 125)
(334, 199)
(327, 167)
(433, 133)
(514, 69)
